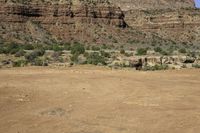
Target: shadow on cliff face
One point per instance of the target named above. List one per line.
(26, 11)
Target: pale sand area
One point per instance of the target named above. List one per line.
(99, 100)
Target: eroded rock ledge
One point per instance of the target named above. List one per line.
(62, 14)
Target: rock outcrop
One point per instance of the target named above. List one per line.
(180, 25)
(62, 14)
(152, 4)
(169, 22)
(48, 23)
(141, 62)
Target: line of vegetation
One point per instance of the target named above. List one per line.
(37, 54)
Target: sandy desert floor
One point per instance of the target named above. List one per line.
(99, 100)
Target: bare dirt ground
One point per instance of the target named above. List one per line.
(98, 100)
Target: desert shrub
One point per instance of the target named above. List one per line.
(87, 47)
(67, 46)
(115, 40)
(56, 55)
(86, 54)
(20, 53)
(1, 50)
(78, 49)
(11, 48)
(122, 51)
(39, 46)
(95, 48)
(104, 46)
(141, 51)
(161, 51)
(37, 62)
(19, 63)
(78, 59)
(33, 55)
(164, 53)
(196, 65)
(61, 59)
(171, 49)
(30, 56)
(105, 54)
(128, 54)
(28, 47)
(182, 50)
(39, 52)
(156, 67)
(158, 49)
(95, 59)
(74, 58)
(57, 47)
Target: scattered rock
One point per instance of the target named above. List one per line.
(54, 112)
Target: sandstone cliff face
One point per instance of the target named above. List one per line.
(64, 22)
(62, 14)
(152, 4)
(181, 25)
(100, 22)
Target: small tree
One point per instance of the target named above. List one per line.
(78, 49)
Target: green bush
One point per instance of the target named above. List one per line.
(19, 63)
(1, 50)
(196, 65)
(128, 54)
(161, 51)
(88, 47)
(141, 51)
(105, 54)
(78, 49)
(57, 48)
(39, 52)
(95, 48)
(158, 49)
(104, 46)
(33, 55)
(122, 51)
(37, 62)
(86, 54)
(95, 59)
(74, 58)
(182, 50)
(67, 46)
(11, 48)
(156, 67)
(30, 56)
(164, 53)
(28, 47)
